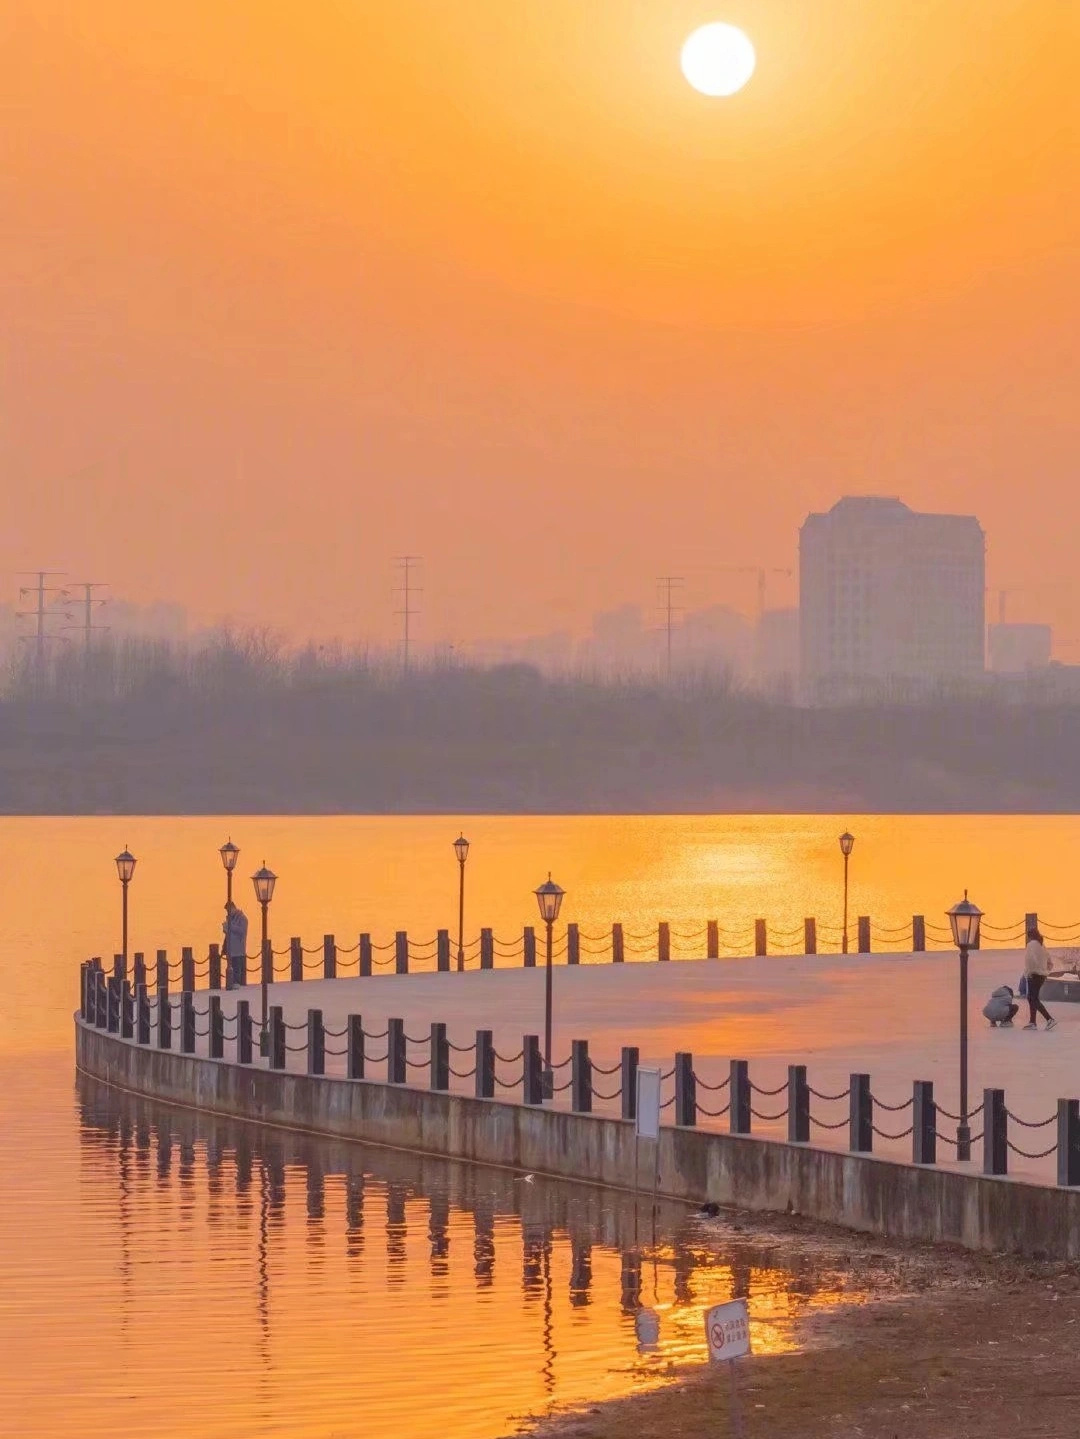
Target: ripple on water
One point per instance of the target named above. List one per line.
(168, 1273)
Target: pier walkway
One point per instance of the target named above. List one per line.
(893, 1016)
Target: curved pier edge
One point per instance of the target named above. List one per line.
(861, 1192)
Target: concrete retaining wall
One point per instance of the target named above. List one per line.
(876, 1196)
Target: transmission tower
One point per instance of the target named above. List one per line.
(41, 612)
(408, 589)
(88, 602)
(668, 585)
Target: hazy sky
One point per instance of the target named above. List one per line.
(289, 288)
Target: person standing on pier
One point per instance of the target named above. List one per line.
(1037, 965)
(235, 929)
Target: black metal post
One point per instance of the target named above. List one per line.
(127, 1011)
(316, 1042)
(581, 1077)
(124, 909)
(995, 1132)
(278, 1039)
(142, 1015)
(264, 1037)
(243, 1032)
(685, 1090)
(963, 1129)
(439, 1067)
(798, 1097)
(396, 1065)
(628, 1068)
(860, 1115)
(216, 1025)
(485, 1064)
(549, 1074)
(846, 858)
(355, 1044)
(461, 917)
(739, 1095)
(924, 1121)
(532, 1072)
(1068, 1137)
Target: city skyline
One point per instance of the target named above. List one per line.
(694, 617)
(538, 312)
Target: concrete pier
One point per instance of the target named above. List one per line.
(859, 1191)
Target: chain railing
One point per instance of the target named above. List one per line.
(177, 1021)
(407, 955)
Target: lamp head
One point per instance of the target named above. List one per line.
(264, 880)
(229, 855)
(847, 843)
(965, 919)
(125, 866)
(549, 897)
(461, 848)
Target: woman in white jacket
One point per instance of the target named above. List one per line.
(1037, 965)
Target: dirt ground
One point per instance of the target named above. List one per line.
(989, 1350)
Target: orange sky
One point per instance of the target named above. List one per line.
(289, 288)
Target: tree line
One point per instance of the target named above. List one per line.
(245, 723)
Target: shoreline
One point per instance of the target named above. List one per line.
(986, 1351)
(715, 809)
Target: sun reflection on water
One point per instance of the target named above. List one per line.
(290, 1285)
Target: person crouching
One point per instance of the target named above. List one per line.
(1001, 1008)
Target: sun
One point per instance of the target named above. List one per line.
(718, 59)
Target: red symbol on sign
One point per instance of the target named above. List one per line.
(716, 1336)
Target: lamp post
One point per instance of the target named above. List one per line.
(125, 868)
(847, 844)
(264, 880)
(549, 897)
(461, 849)
(964, 919)
(229, 855)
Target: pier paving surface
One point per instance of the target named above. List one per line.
(893, 1016)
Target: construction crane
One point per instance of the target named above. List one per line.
(763, 572)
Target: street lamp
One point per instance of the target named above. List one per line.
(264, 881)
(125, 868)
(847, 844)
(964, 919)
(229, 855)
(549, 897)
(461, 849)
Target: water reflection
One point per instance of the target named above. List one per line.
(353, 1285)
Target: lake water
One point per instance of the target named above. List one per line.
(163, 1273)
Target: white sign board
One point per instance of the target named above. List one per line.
(647, 1106)
(727, 1328)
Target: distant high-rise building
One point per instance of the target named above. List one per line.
(1019, 649)
(886, 594)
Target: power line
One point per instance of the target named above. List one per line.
(405, 564)
(668, 584)
(88, 602)
(40, 613)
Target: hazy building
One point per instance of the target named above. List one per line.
(888, 595)
(776, 662)
(1018, 649)
(714, 640)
